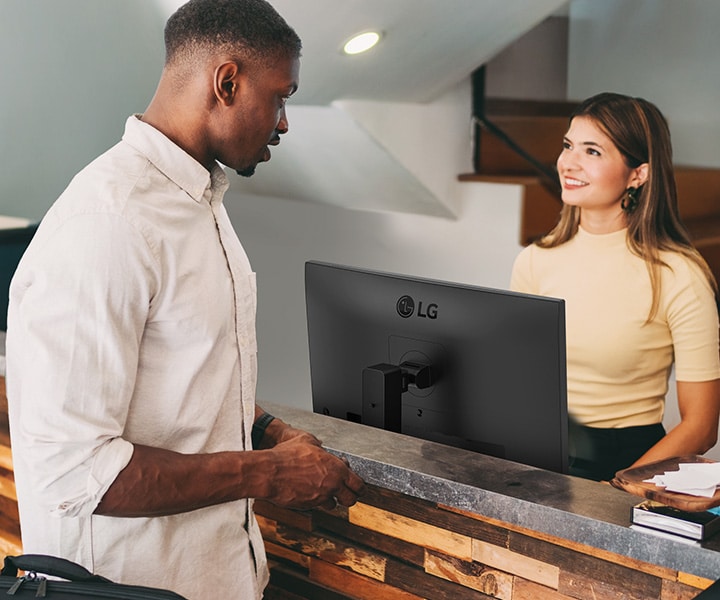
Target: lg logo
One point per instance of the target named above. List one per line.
(406, 308)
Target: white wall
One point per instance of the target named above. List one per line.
(70, 73)
(663, 50)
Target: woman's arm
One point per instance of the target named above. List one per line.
(697, 432)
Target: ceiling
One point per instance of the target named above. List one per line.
(428, 47)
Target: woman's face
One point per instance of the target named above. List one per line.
(593, 173)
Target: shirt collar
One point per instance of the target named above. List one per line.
(176, 164)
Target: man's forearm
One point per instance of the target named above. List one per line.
(296, 472)
(160, 482)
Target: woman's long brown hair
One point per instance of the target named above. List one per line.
(641, 134)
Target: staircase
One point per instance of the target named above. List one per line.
(537, 129)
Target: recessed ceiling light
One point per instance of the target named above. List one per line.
(361, 42)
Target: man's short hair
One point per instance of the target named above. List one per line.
(251, 28)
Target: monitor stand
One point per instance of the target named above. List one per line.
(382, 388)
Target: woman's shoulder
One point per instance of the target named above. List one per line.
(682, 271)
(681, 265)
(529, 254)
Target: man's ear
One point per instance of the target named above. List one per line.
(226, 81)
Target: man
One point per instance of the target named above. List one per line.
(131, 352)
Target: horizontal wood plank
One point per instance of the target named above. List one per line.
(410, 579)
(473, 575)
(279, 552)
(584, 586)
(519, 564)
(360, 587)
(285, 580)
(333, 550)
(587, 573)
(5, 457)
(655, 570)
(294, 518)
(364, 538)
(529, 590)
(674, 590)
(428, 513)
(4, 426)
(411, 530)
(7, 485)
(10, 545)
(694, 580)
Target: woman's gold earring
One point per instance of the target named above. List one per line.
(629, 202)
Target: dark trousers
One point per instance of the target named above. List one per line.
(598, 453)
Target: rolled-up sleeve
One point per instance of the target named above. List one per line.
(79, 301)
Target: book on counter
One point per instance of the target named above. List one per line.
(692, 525)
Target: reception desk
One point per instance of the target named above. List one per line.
(443, 523)
(439, 522)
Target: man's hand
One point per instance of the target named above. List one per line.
(303, 475)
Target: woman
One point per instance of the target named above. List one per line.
(638, 296)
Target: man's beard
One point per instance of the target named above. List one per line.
(246, 172)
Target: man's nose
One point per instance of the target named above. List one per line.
(283, 125)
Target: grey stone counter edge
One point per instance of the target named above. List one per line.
(586, 512)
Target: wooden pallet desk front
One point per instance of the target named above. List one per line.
(394, 546)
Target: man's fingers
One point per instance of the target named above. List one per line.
(330, 504)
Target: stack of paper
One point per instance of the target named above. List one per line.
(696, 479)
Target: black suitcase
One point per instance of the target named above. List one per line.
(81, 584)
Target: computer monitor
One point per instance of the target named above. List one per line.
(13, 243)
(472, 367)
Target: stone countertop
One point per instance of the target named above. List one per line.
(579, 510)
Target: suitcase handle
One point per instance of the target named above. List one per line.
(48, 565)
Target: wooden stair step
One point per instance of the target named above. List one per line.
(522, 179)
(528, 108)
(704, 230)
(698, 193)
(540, 137)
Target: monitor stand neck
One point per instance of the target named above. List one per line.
(382, 388)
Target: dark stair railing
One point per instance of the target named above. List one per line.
(548, 175)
